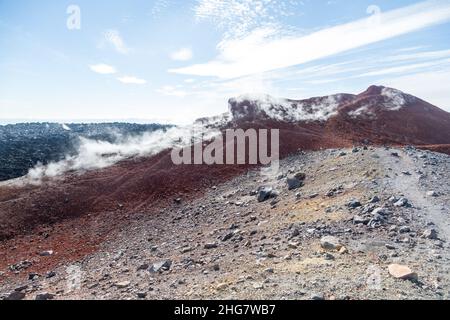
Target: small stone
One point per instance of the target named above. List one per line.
(228, 236)
(296, 181)
(404, 229)
(216, 267)
(123, 284)
(265, 193)
(402, 202)
(390, 246)
(44, 296)
(375, 199)
(354, 204)
(317, 297)
(15, 296)
(142, 295)
(210, 245)
(432, 194)
(357, 219)
(343, 250)
(221, 286)
(161, 266)
(33, 276)
(186, 250)
(330, 243)
(50, 274)
(46, 253)
(258, 286)
(143, 266)
(401, 272)
(430, 234)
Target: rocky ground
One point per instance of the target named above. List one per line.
(334, 224)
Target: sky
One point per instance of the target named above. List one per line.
(175, 61)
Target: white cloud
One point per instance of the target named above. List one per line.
(267, 48)
(103, 68)
(184, 54)
(131, 80)
(114, 38)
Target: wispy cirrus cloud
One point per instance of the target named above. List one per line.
(114, 38)
(103, 68)
(131, 80)
(268, 48)
(237, 17)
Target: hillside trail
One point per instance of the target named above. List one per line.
(407, 183)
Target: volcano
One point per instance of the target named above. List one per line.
(82, 209)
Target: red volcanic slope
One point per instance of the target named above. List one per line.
(377, 116)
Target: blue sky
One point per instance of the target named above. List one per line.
(175, 61)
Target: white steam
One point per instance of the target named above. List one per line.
(97, 154)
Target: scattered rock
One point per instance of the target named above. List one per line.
(123, 284)
(266, 193)
(46, 253)
(402, 202)
(343, 250)
(360, 220)
(431, 234)
(317, 297)
(401, 272)
(375, 199)
(228, 236)
(210, 245)
(390, 246)
(404, 229)
(221, 286)
(296, 181)
(432, 194)
(330, 243)
(143, 266)
(354, 204)
(22, 265)
(16, 295)
(161, 266)
(44, 296)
